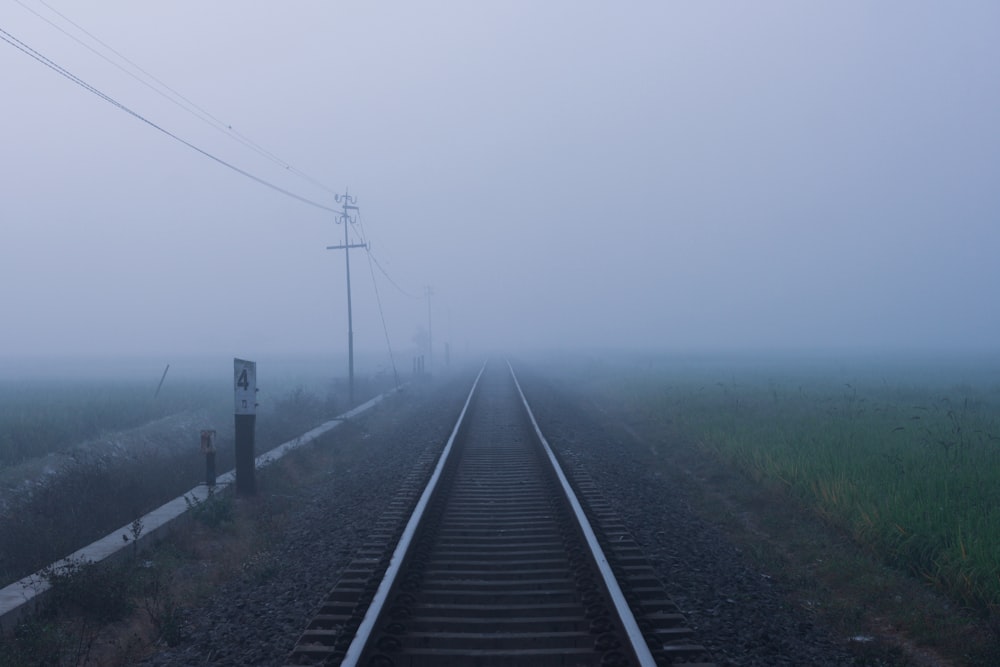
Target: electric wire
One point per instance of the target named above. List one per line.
(374, 259)
(24, 48)
(194, 109)
(385, 329)
(203, 115)
(393, 282)
(33, 53)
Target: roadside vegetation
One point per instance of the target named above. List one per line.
(904, 459)
(111, 613)
(912, 473)
(118, 612)
(113, 479)
(44, 417)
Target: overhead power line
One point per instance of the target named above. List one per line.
(381, 314)
(174, 97)
(24, 48)
(372, 258)
(389, 278)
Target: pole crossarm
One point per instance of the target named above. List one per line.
(342, 247)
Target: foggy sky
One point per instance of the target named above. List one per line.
(563, 174)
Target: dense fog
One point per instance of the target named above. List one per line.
(562, 175)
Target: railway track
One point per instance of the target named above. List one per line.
(489, 557)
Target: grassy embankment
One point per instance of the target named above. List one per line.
(101, 488)
(38, 418)
(910, 469)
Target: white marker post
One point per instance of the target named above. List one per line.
(245, 387)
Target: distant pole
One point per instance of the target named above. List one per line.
(447, 346)
(162, 378)
(345, 218)
(429, 291)
(208, 449)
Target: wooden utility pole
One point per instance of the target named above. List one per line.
(429, 291)
(346, 218)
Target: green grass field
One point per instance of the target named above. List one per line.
(903, 455)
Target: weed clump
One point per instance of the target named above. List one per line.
(215, 511)
(98, 591)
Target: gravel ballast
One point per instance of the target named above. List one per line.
(254, 622)
(738, 612)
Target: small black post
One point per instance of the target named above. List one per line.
(210, 469)
(245, 381)
(208, 449)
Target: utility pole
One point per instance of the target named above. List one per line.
(346, 218)
(429, 291)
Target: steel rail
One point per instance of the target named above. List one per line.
(492, 554)
(361, 637)
(629, 623)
